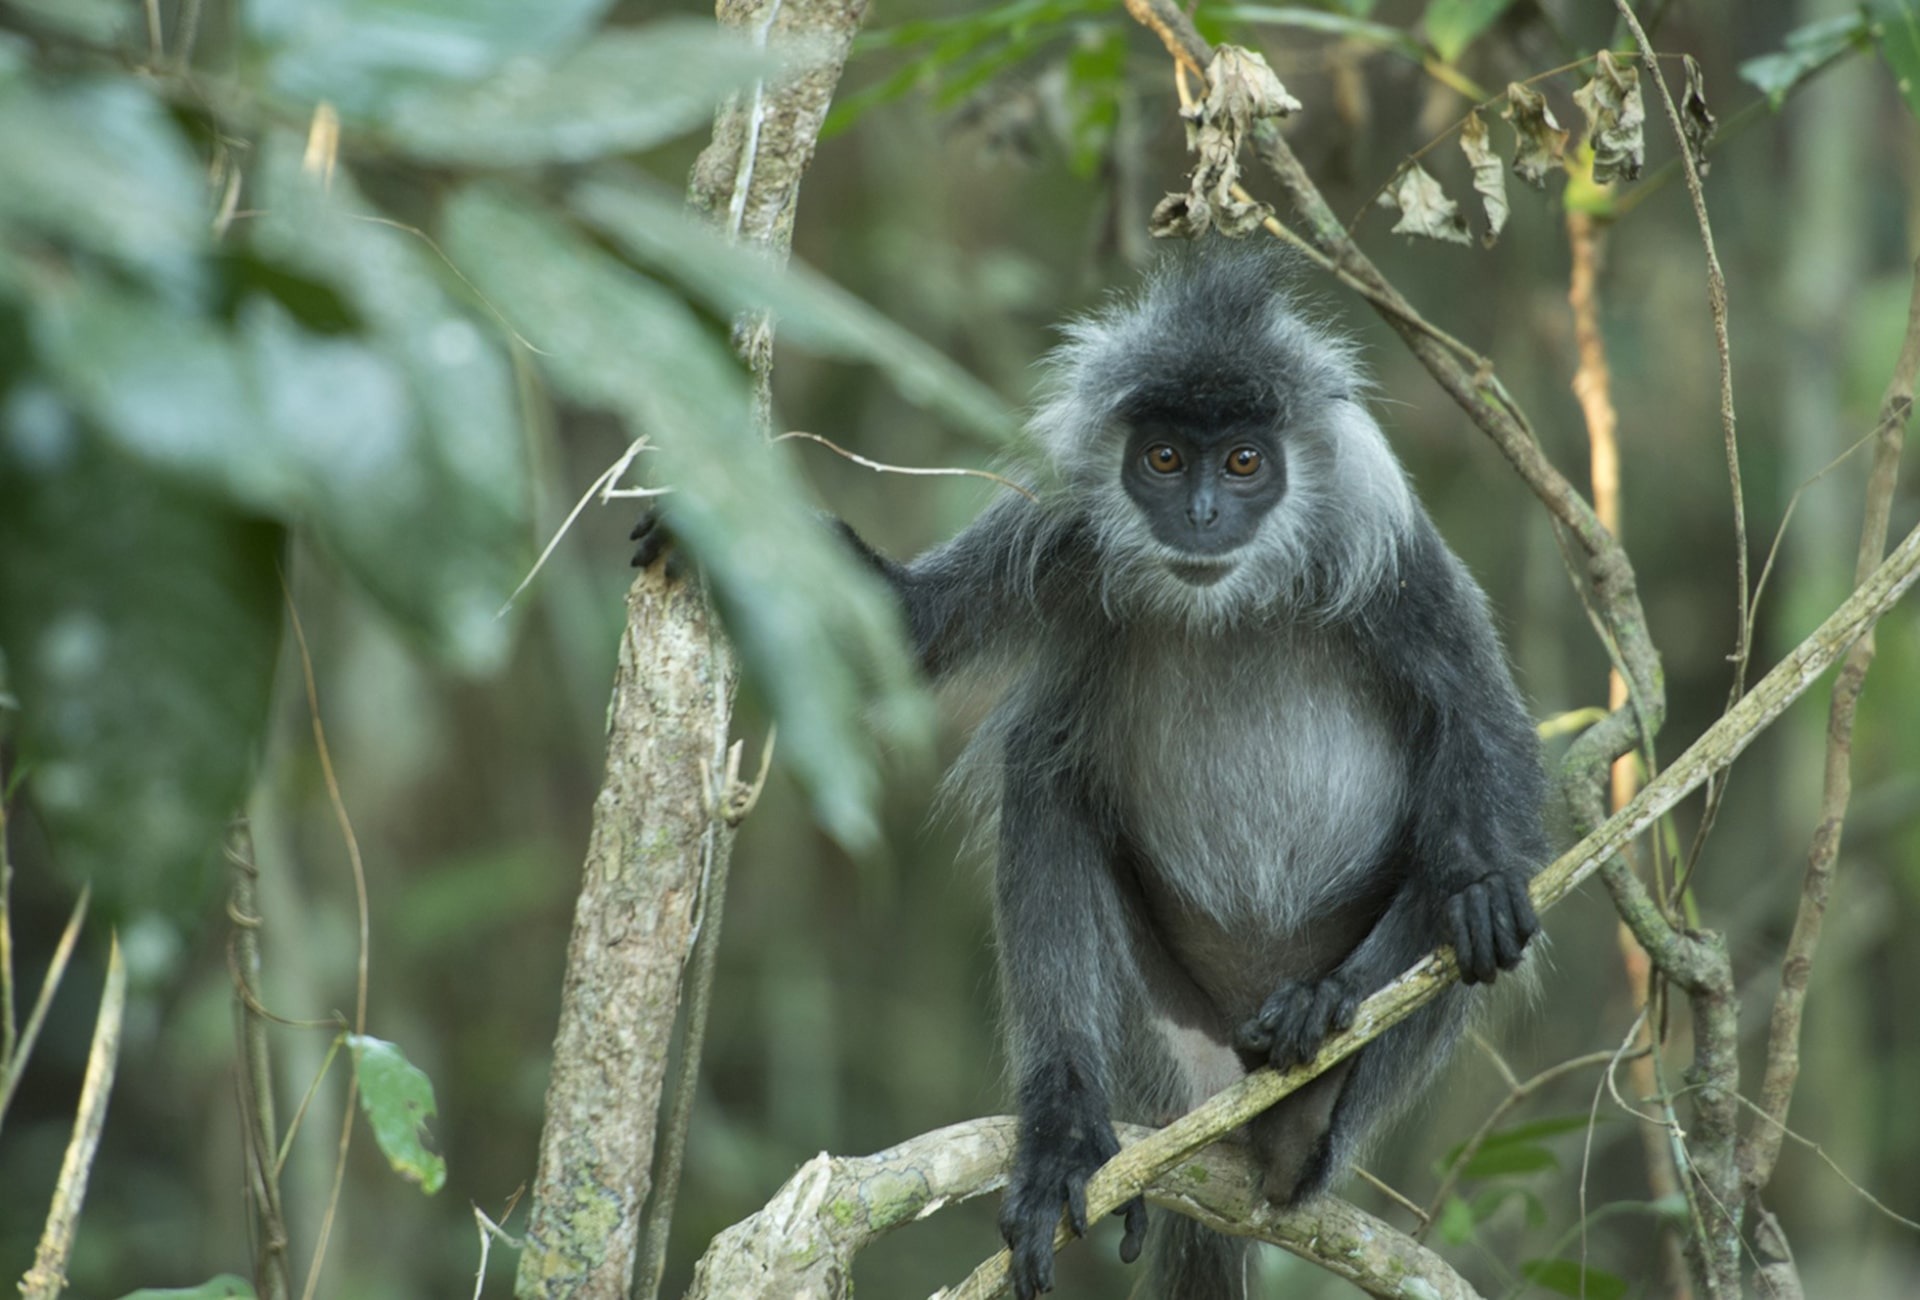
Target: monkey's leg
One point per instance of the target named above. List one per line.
(1067, 981)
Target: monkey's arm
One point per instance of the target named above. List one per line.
(1064, 975)
(983, 591)
(1474, 837)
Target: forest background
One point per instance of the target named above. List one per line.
(446, 373)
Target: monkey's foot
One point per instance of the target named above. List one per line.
(1052, 1170)
(1293, 1023)
(1490, 922)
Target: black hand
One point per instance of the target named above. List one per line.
(655, 539)
(1490, 922)
(1293, 1023)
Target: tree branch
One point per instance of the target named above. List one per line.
(805, 1239)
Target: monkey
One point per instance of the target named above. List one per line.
(1260, 749)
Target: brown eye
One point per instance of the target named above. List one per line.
(1243, 462)
(1162, 459)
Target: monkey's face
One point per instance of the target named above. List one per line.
(1203, 491)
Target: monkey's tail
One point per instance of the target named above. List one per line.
(1194, 1263)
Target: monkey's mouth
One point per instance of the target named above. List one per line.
(1200, 573)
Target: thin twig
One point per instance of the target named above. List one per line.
(254, 1078)
(1518, 1093)
(362, 980)
(56, 968)
(883, 468)
(48, 1276)
(1844, 1177)
(1717, 304)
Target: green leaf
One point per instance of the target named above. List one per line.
(99, 21)
(440, 532)
(224, 1287)
(1352, 25)
(1570, 1278)
(1487, 1203)
(359, 54)
(1456, 1222)
(1805, 51)
(140, 643)
(626, 91)
(813, 312)
(812, 627)
(1509, 1158)
(1897, 27)
(398, 1100)
(1453, 25)
(97, 166)
(1096, 80)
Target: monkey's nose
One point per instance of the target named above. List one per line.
(1202, 512)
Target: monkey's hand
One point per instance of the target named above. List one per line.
(1489, 923)
(1299, 1017)
(654, 539)
(1051, 1169)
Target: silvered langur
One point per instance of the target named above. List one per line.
(1261, 750)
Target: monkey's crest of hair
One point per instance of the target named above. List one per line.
(1217, 337)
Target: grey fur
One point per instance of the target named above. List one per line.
(1227, 807)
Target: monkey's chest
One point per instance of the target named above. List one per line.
(1262, 775)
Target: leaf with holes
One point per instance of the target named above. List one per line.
(398, 1100)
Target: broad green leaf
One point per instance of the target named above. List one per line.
(813, 312)
(1453, 25)
(398, 1100)
(812, 628)
(1096, 80)
(1897, 27)
(444, 537)
(1805, 51)
(1456, 1222)
(1352, 25)
(224, 1287)
(140, 620)
(1509, 1158)
(1487, 1202)
(97, 166)
(99, 21)
(1529, 1133)
(625, 91)
(359, 54)
(1570, 1278)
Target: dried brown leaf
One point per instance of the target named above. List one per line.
(1539, 140)
(1696, 119)
(1489, 180)
(1615, 120)
(1241, 89)
(1424, 208)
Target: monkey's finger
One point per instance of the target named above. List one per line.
(1135, 1213)
(1077, 1204)
(644, 524)
(1467, 910)
(654, 540)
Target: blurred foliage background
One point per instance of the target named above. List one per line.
(363, 359)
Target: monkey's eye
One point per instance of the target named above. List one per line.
(1162, 459)
(1243, 462)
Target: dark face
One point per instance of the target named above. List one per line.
(1204, 492)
